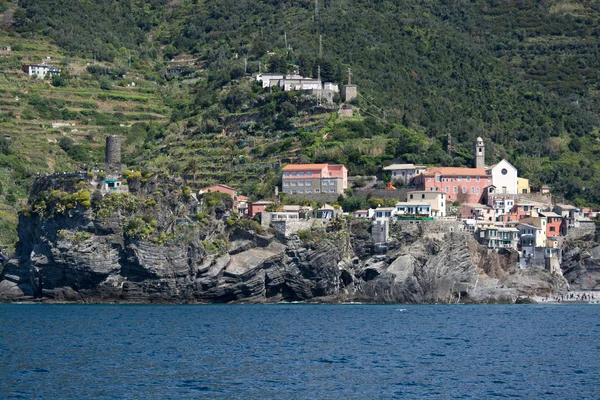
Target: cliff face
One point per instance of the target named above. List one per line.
(581, 263)
(162, 245)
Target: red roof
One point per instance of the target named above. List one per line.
(450, 171)
(298, 167)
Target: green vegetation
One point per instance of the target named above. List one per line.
(524, 75)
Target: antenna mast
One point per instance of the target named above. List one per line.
(321, 46)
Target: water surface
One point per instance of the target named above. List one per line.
(299, 351)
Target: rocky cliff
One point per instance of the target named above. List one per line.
(164, 244)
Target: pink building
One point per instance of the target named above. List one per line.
(314, 178)
(258, 207)
(462, 184)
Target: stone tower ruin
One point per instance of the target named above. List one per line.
(113, 151)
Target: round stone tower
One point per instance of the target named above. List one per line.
(113, 150)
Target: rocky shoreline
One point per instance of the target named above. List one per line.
(162, 246)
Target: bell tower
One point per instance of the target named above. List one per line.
(479, 153)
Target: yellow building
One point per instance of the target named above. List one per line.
(523, 186)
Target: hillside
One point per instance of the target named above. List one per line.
(522, 74)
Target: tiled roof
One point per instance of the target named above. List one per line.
(456, 171)
(297, 167)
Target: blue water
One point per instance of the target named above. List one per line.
(299, 352)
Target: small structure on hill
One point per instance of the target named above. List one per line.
(41, 70)
(5, 49)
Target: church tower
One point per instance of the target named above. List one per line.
(479, 153)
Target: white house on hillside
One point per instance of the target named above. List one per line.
(40, 70)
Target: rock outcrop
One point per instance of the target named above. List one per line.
(140, 249)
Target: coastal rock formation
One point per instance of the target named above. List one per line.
(179, 249)
(581, 263)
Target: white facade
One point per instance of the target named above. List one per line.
(266, 79)
(405, 172)
(421, 209)
(41, 70)
(331, 86)
(504, 177)
(384, 213)
(436, 201)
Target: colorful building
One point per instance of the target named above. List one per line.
(553, 223)
(523, 186)
(459, 184)
(258, 207)
(314, 178)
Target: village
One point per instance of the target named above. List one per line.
(490, 202)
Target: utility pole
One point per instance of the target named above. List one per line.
(245, 65)
(321, 46)
(285, 38)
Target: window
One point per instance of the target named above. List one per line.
(286, 184)
(309, 173)
(428, 179)
(422, 196)
(293, 174)
(472, 190)
(455, 189)
(477, 190)
(459, 178)
(307, 190)
(286, 174)
(294, 183)
(294, 191)
(552, 229)
(411, 196)
(447, 189)
(504, 171)
(325, 183)
(438, 178)
(317, 190)
(285, 191)
(301, 173)
(468, 179)
(301, 183)
(308, 183)
(301, 191)
(464, 189)
(478, 179)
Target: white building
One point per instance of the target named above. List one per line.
(405, 172)
(436, 201)
(384, 213)
(40, 70)
(504, 177)
(420, 209)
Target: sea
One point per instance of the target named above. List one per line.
(299, 351)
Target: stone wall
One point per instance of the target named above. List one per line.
(429, 227)
(290, 227)
(583, 229)
(399, 194)
(318, 197)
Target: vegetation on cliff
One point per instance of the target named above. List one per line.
(522, 74)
